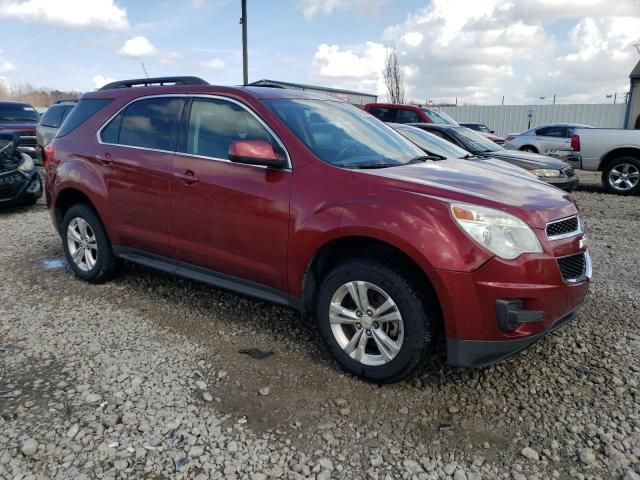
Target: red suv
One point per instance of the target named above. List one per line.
(398, 113)
(307, 201)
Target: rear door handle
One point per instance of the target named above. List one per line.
(187, 177)
(105, 160)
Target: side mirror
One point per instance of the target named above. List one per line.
(256, 152)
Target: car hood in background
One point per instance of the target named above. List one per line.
(466, 181)
(18, 126)
(528, 160)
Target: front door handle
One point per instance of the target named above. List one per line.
(187, 177)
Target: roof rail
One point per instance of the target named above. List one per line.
(67, 100)
(155, 81)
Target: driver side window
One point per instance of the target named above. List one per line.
(214, 124)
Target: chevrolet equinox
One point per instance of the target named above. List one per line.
(310, 202)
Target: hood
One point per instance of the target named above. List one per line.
(464, 181)
(528, 160)
(19, 127)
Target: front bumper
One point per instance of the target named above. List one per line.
(481, 353)
(471, 303)
(566, 184)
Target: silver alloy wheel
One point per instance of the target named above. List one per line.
(366, 323)
(82, 244)
(624, 177)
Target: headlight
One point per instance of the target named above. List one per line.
(27, 164)
(546, 172)
(501, 233)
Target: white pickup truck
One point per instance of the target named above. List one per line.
(613, 151)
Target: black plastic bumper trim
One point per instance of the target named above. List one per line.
(482, 353)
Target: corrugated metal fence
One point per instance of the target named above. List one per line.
(506, 119)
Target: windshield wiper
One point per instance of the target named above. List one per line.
(425, 158)
(364, 166)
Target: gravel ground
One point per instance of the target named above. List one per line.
(142, 378)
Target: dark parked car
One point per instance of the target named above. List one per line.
(398, 113)
(20, 182)
(308, 201)
(50, 123)
(549, 169)
(22, 119)
(485, 131)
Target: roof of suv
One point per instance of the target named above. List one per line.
(261, 93)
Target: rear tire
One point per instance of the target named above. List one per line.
(529, 148)
(86, 245)
(622, 176)
(387, 350)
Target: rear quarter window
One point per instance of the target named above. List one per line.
(83, 111)
(53, 117)
(384, 114)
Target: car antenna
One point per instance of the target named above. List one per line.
(144, 69)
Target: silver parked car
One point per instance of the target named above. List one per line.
(552, 139)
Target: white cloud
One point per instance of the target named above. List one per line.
(100, 80)
(358, 67)
(197, 3)
(140, 47)
(312, 8)
(67, 13)
(6, 66)
(214, 64)
(478, 51)
(413, 39)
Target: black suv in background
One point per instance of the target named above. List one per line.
(22, 119)
(50, 123)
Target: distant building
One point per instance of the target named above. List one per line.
(356, 98)
(633, 107)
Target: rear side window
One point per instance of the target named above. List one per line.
(83, 111)
(407, 116)
(384, 114)
(148, 123)
(214, 124)
(53, 117)
(560, 132)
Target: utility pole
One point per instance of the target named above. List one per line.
(243, 22)
(554, 98)
(502, 101)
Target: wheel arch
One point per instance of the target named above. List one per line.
(609, 157)
(528, 145)
(343, 248)
(69, 196)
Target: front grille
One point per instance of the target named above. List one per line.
(568, 172)
(499, 142)
(11, 184)
(27, 141)
(573, 267)
(567, 226)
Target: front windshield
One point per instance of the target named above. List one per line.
(432, 144)
(343, 135)
(474, 142)
(18, 112)
(439, 117)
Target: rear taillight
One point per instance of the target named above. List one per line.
(575, 143)
(49, 151)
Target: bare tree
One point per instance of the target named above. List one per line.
(393, 76)
(38, 97)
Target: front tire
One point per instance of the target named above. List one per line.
(374, 320)
(622, 176)
(86, 245)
